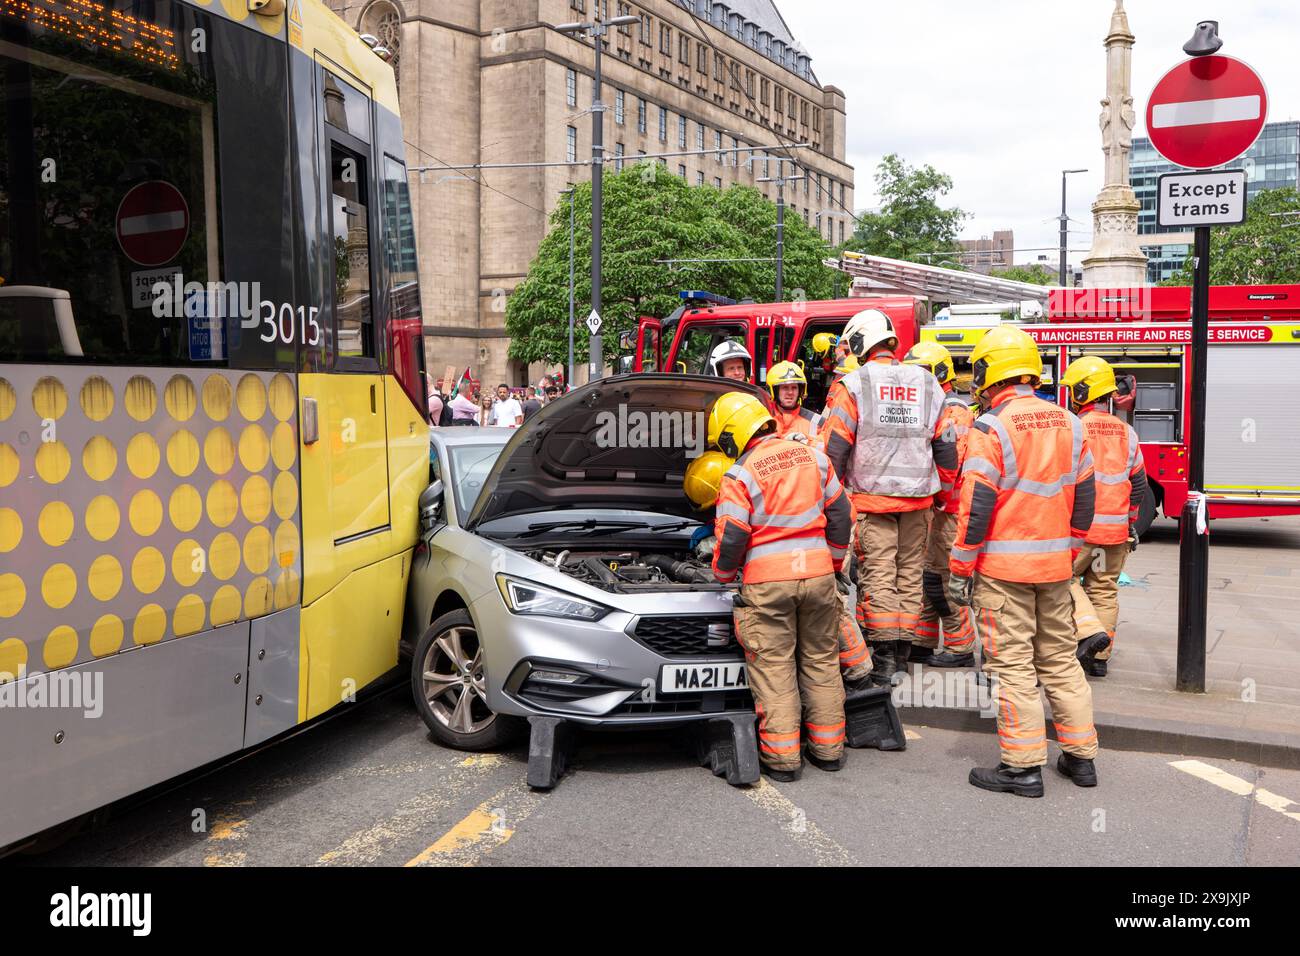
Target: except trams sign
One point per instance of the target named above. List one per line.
(1202, 199)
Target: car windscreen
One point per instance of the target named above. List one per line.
(470, 465)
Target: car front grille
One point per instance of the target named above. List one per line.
(686, 704)
(688, 636)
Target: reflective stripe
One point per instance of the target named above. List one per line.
(1110, 477)
(982, 466)
(1110, 519)
(833, 488)
(963, 554)
(1075, 737)
(783, 547)
(1076, 449)
(844, 416)
(729, 509)
(762, 519)
(1042, 489)
(1046, 546)
(945, 486)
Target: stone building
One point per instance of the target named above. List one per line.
(985, 254)
(492, 81)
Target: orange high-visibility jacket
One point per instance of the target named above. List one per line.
(782, 515)
(840, 433)
(957, 416)
(1119, 472)
(1027, 492)
(800, 421)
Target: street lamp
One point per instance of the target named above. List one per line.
(1065, 222)
(568, 381)
(596, 29)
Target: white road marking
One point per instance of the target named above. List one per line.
(795, 822)
(1234, 784)
(1225, 109)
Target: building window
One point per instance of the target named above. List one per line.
(625, 9)
(618, 157)
(665, 39)
(717, 144)
(793, 111)
(702, 59)
(817, 119)
(803, 112)
(681, 132)
(699, 178)
(618, 107)
(681, 170)
(749, 83)
(579, 5)
(571, 150)
(764, 92)
(717, 182)
(383, 20)
(684, 49)
(640, 116)
(699, 136)
(645, 29)
(571, 86)
(841, 232)
(780, 100)
(717, 67)
(663, 124)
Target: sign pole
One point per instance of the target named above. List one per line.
(1194, 545)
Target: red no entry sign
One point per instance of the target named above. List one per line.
(153, 221)
(1206, 111)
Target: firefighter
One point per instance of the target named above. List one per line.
(782, 522)
(788, 387)
(847, 364)
(886, 434)
(1027, 498)
(958, 635)
(731, 360)
(1121, 485)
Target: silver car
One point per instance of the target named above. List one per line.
(562, 573)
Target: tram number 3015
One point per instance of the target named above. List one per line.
(282, 322)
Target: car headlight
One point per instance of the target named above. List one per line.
(523, 597)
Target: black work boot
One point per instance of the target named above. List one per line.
(918, 654)
(859, 683)
(1091, 646)
(1096, 668)
(884, 663)
(1079, 769)
(1022, 781)
(903, 654)
(782, 776)
(949, 659)
(821, 763)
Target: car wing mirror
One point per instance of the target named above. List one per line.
(431, 504)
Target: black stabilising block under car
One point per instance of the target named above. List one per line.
(871, 720)
(550, 744)
(728, 746)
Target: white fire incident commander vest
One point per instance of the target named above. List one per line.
(898, 409)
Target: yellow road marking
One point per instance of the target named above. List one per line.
(911, 734)
(227, 829)
(489, 825)
(1234, 784)
(795, 821)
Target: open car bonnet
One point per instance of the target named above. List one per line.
(621, 442)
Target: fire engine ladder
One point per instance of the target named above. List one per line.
(876, 274)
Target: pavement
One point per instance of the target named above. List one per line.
(1251, 707)
(371, 788)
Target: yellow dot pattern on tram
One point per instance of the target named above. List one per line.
(157, 504)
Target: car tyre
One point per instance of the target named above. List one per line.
(448, 684)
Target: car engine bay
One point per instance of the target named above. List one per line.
(633, 571)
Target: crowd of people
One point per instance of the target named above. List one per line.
(502, 407)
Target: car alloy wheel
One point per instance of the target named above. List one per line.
(453, 682)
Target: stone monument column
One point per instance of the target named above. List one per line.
(1115, 259)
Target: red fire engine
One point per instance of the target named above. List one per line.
(1252, 452)
(771, 331)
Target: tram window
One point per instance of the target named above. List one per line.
(112, 160)
(350, 217)
(346, 107)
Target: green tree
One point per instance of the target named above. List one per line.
(911, 223)
(651, 214)
(1263, 250)
(1037, 273)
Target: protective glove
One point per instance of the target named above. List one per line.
(960, 589)
(1132, 540)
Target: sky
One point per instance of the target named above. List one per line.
(1003, 94)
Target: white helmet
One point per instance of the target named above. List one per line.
(866, 330)
(729, 350)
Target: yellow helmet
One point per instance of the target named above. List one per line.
(823, 342)
(1089, 378)
(1004, 353)
(736, 418)
(704, 478)
(786, 373)
(848, 364)
(934, 357)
